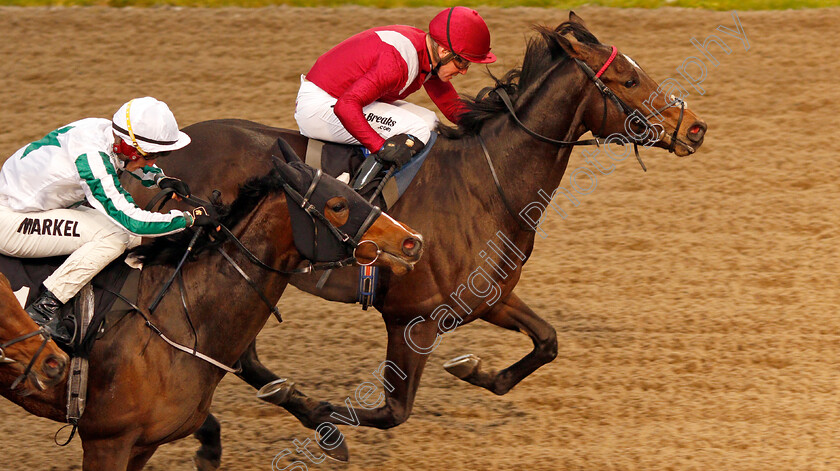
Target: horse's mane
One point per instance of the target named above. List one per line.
(541, 53)
(168, 250)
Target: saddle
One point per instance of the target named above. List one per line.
(337, 159)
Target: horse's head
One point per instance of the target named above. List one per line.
(331, 222)
(636, 106)
(18, 348)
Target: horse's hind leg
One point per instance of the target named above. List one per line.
(209, 456)
(513, 314)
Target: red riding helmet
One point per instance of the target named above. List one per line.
(464, 32)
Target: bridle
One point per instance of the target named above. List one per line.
(344, 238)
(632, 114)
(303, 201)
(636, 117)
(4, 359)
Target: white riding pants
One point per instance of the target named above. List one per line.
(316, 117)
(88, 236)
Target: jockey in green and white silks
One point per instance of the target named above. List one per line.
(44, 184)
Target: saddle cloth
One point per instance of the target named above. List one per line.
(27, 276)
(336, 159)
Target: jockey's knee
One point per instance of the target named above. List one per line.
(422, 127)
(420, 130)
(119, 240)
(430, 118)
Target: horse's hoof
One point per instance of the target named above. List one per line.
(203, 464)
(463, 366)
(338, 453)
(276, 392)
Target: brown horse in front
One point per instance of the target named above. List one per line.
(21, 342)
(143, 392)
(477, 241)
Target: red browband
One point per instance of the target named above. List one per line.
(609, 61)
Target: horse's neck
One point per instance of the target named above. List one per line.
(553, 110)
(527, 167)
(226, 311)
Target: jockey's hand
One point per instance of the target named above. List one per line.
(399, 149)
(181, 189)
(201, 218)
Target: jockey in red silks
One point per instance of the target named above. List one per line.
(354, 93)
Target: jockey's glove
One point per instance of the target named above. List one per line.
(206, 221)
(399, 149)
(180, 188)
(200, 217)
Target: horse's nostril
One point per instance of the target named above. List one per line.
(411, 246)
(696, 131)
(54, 365)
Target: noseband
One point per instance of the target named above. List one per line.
(4, 359)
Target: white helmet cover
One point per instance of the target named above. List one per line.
(149, 126)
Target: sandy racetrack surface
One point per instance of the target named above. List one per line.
(695, 305)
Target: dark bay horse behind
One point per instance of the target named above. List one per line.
(29, 360)
(477, 240)
(142, 391)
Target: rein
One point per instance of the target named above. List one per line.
(303, 200)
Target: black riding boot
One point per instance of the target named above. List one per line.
(45, 311)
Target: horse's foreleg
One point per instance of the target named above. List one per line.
(511, 313)
(111, 454)
(140, 458)
(275, 390)
(253, 371)
(384, 404)
(209, 456)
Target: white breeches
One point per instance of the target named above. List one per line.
(316, 118)
(90, 238)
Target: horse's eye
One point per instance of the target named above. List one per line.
(338, 207)
(630, 83)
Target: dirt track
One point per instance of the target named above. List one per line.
(696, 305)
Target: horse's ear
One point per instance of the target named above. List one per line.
(574, 18)
(289, 154)
(287, 172)
(571, 45)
